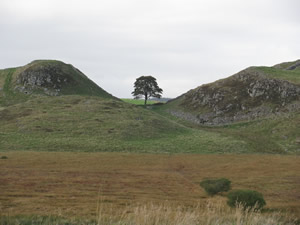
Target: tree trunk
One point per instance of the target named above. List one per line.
(146, 98)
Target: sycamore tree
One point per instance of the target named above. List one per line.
(146, 86)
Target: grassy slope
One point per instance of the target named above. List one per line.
(281, 134)
(272, 135)
(232, 89)
(292, 76)
(82, 123)
(80, 85)
(138, 101)
(7, 95)
(44, 183)
(78, 123)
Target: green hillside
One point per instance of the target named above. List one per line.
(45, 77)
(267, 135)
(138, 101)
(253, 93)
(71, 113)
(292, 76)
(258, 106)
(80, 123)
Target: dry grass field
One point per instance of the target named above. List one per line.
(73, 184)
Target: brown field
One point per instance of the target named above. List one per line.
(72, 184)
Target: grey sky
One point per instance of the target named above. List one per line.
(183, 43)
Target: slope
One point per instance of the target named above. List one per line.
(95, 124)
(45, 77)
(258, 106)
(256, 92)
(72, 120)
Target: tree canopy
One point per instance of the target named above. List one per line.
(146, 86)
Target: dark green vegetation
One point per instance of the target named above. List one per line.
(246, 198)
(215, 186)
(147, 87)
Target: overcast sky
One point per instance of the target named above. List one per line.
(183, 43)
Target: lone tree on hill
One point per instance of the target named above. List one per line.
(146, 86)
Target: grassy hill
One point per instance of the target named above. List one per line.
(83, 117)
(253, 93)
(45, 77)
(80, 123)
(138, 101)
(52, 117)
(289, 71)
(259, 106)
(48, 105)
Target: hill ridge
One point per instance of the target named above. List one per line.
(252, 93)
(48, 77)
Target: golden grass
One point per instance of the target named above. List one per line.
(209, 212)
(70, 184)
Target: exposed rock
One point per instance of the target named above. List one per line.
(49, 77)
(294, 66)
(288, 65)
(46, 78)
(247, 95)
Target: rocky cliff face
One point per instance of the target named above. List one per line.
(247, 95)
(49, 78)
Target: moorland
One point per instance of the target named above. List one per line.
(71, 151)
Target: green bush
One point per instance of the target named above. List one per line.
(4, 157)
(214, 186)
(246, 198)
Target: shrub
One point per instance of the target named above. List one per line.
(246, 198)
(4, 157)
(214, 186)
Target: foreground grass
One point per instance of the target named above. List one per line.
(212, 213)
(70, 184)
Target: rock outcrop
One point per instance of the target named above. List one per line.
(49, 78)
(52, 77)
(247, 95)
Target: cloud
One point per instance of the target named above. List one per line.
(182, 43)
